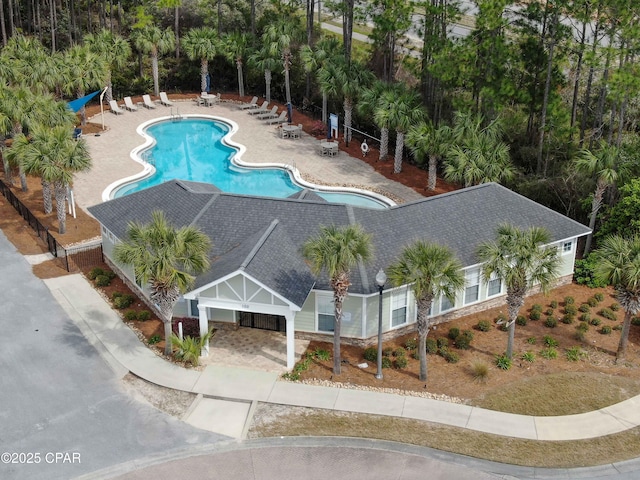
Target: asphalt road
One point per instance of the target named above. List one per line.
(63, 411)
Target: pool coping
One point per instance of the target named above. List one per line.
(236, 159)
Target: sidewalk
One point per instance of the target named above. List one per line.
(227, 395)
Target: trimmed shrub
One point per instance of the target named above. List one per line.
(595, 321)
(585, 317)
(585, 308)
(154, 339)
(549, 353)
(583, 327)
(605, 330)
(454, 332)
(528, 357)
(144, 315)
(549, 341)
(571, 309)
(537, 307)
(432, 345)
(386, 362)
(411, 344)
(131, 315)
(534, 315)
(521, 320)
(401, 362)
(551, 322)
(567, 319)
(501, 319)
(599, 296)
(607, 313)
(463, 341)
(531, 340)
(503, 362)
(103, 281)
(449, 355)
(553, 304)
(387, 352)
(399, 352)
(618, 327)
(442, 342)
(574, 354)
(483, 326)
(370, 354)
(549, 311)
(569, 300)
(592, 302)
(95, 273)
(615, 307)
(123, 301)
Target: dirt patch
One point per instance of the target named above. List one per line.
(172, 402)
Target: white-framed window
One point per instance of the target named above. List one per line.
(472, 290)
(494, 287)
(567, 247)
(399, 307)
(193, 308)
(326, 313)
(446, 304)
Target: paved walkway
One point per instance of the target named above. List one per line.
(111, 150)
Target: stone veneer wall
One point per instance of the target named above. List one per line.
(410, 328)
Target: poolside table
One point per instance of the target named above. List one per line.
(329, 148)
(288, 130)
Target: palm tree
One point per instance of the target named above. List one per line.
(201, 44)
(425, 140)
(235, 50)
(114, 49)
(372, 101)
(606, 167)
(155, 42)
(337, 250)
(279, 39)
(29, 64)
(16, 107)
(347, 81)
(400, 110)
(433, 271)
(619, 265)
(165, 258)
(316, 59)
(263, 59)
(84, 70)
(522, 259)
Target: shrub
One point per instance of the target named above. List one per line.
(574, 354)
(595, 321)
(534, 315)
(503, 362)
(94, 273)
(401, 362)
(536, 307)
(449, 355)
(549, 353)
(399, 352)
(370, 354)
(551, 322)
(432, 345)
(531, 340)
(123, 301)
(454, 332)
(411, 344)
(583, 273)
(635, 321)
(103, 281)
(480, 371)
(322, 354)
(442, 342)
(553, 304)
(483, 326)
(599, 296)
(585, 317)
(615, 307)
(583, 327)
(144, 315)
(549, 311)
(571, 309)
(618, 327)
(131, 315)
(529, 357)
(605, 330)
(463, 341)
(549, 341)
(569, 300)
(501, 318)
(592, 302)
(386, 362)
(585, 308)
(567, 319)
(521, 320)
(154, 339)
(415, 355)
(607, 313)
(387, 351)
(579, 335)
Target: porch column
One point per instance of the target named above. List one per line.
(204, 328)
(291, 343)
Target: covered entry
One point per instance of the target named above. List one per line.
(263, 321)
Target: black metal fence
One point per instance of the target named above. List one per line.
(72, 259)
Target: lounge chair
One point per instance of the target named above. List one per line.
(113, 105)
(147, 102)
(269, 114)
(252, 104)
(164, 100)
(128, 104)
(281, 119)
(262, 109)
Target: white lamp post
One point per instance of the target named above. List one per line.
(381, 279)
(101, 106)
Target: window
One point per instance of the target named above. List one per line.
(494, 287)
(326, 313)
(193, 308)
(445, 304)
(472, 290)
(567, 247)
(399, 307)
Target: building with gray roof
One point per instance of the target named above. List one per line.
(258, 275)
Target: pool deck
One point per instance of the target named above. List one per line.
(111, 150)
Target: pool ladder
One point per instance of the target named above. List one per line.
(175, 117)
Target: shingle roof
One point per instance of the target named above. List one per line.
(263, 235)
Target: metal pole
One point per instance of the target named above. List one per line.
(379, 373)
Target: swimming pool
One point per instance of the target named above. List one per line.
(198, 149)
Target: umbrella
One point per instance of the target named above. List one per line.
(289, 113)
(208, 83)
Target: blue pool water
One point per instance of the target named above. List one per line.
(192, 149)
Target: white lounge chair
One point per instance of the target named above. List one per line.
(147, 102)
(281, 119)
(129, 105)
(252, 104)
(115, 108)
(269, 114)
(262, 109)
(164, 100)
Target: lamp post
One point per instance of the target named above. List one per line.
(381, 279)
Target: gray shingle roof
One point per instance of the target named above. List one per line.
(242, 225)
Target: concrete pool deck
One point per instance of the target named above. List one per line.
(111, 150)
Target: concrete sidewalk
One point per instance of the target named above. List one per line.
(226, 394)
